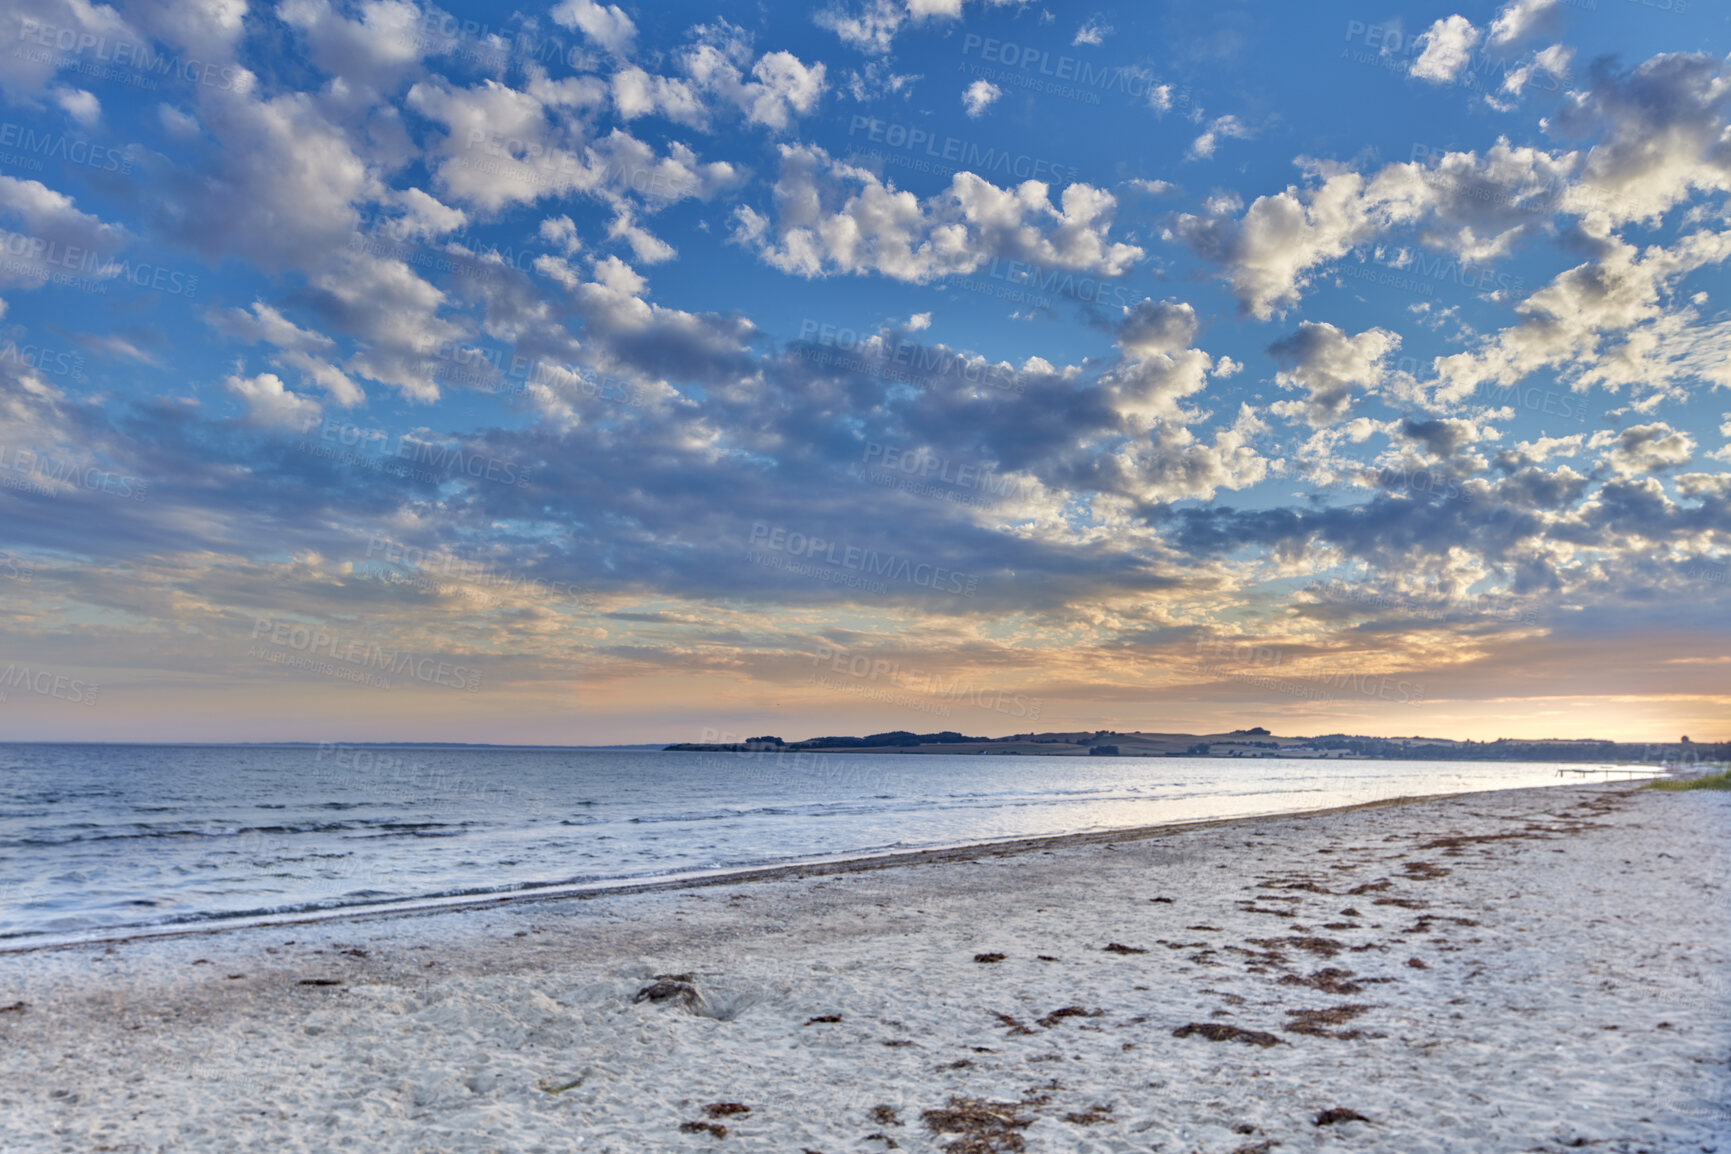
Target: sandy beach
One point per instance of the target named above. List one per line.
(1529, 970)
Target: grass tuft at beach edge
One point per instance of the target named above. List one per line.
(1720, 780)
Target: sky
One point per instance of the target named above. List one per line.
(594, 373)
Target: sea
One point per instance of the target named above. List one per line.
(110, 841)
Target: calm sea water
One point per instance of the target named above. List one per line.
(117, 838)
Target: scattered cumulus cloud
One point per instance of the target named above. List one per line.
(979, 96)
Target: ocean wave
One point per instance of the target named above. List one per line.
(377, 827)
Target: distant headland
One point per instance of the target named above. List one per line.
(1257, 741)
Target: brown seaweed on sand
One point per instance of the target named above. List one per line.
(1340, 1114)
(1057, 1016)
(982, 1127)
(1329, 981)
(1221, 1032)
(1316, 1022)
(988, 959)
(715, 1129)
(723, 1109)
(1115, 948)
(1323, 947)
(669, 988)
(884, 1115)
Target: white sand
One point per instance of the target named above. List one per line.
(1575, 992)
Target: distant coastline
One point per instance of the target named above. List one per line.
(1255, 742)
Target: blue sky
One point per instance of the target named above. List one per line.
(1330, 367)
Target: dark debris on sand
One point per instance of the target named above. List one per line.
(1221, 1032)
(723, 1109)
(1316, 1022)
(988, 959)
(1116, 948)
(1057, 1016)
(981, 1126)
(1322, 947)
(1340, 1114)
(1327, 981)
(668, 988)
(715, 1129)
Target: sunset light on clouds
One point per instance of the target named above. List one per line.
(605, 374)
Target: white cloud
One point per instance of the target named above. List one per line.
(284, 186)
(51, 237)
(1470, 206)
(26, 73)
(1094, 30)
(1448, 47)
(1327, 364)
(1565, 322)
(208, 30)
(781, 85)
(1642, 449)
(1268, 252)
(638, 93)
(304, 350)
(1540, 450)
(270, 404)
(1223, 127)
(871, 28)
(607, 25)
(833, 217)
(372, 53)
(1520, 19)
(876, 80)
(504, 146)
(646, 247)
(178, 124)
(1553, 61)
(1661, 137)
(79, 105)
(979, 96)
(784, 86)
(266, 323)
(394, 316)
(561, 233)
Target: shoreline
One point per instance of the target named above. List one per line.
(1534, 969)
(776, 871)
